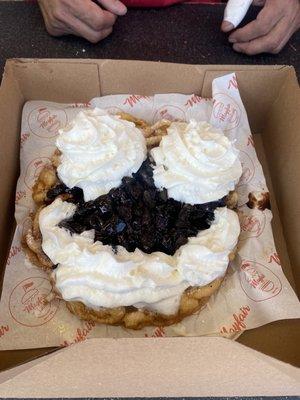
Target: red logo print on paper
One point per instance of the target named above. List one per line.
(250, 141)
(28, 305)
(258, 281)
(81, 105)
(238, 323)
(252, 225)
(158, 332)
(226, 111)
(81, 333)
(274, 257)
(21, 194)
(14, 250)
(193, 100)
(24, 137)
(3, 330)
(133, 99)
(34, 169)
(45, 123)
(170, 112)
(248, 169)
(232, 84)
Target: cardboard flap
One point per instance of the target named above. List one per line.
(151, 367)
(79, 82)
(119, 77)
(11, 103)
(276, 223)
(282, 141)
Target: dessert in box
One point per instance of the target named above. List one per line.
(253, 292)
(134, 237)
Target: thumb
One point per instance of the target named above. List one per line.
(114, 6)
(259, 2)
(234, 13)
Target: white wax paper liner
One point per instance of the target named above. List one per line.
(255, 290)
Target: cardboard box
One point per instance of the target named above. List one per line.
(175, 366)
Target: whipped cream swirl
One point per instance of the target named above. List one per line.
(196, 163)
(98, 150)
(92, 273)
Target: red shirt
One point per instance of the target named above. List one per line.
(158, 3)
(149, 3)
(162, 3)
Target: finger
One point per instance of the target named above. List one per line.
(268, 17)
(53, 26)
(270, 43)
(114, 6)
(92, 15)
(287, 33)
(227, 26)
(234, 13)
(259, 2)
(98, 36)
(79, 28)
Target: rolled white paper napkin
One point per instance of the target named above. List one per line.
(236, 10)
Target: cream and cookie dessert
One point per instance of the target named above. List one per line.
(134, 224)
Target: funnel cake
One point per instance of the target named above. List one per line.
(136, 229)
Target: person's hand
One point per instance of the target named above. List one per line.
(81, 17)
(270, 31)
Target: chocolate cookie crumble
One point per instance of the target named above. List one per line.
(137, 215)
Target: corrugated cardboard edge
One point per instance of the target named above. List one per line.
(145, 368)
(9, 94)
(286, 131)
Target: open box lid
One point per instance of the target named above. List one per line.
(169, 367)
